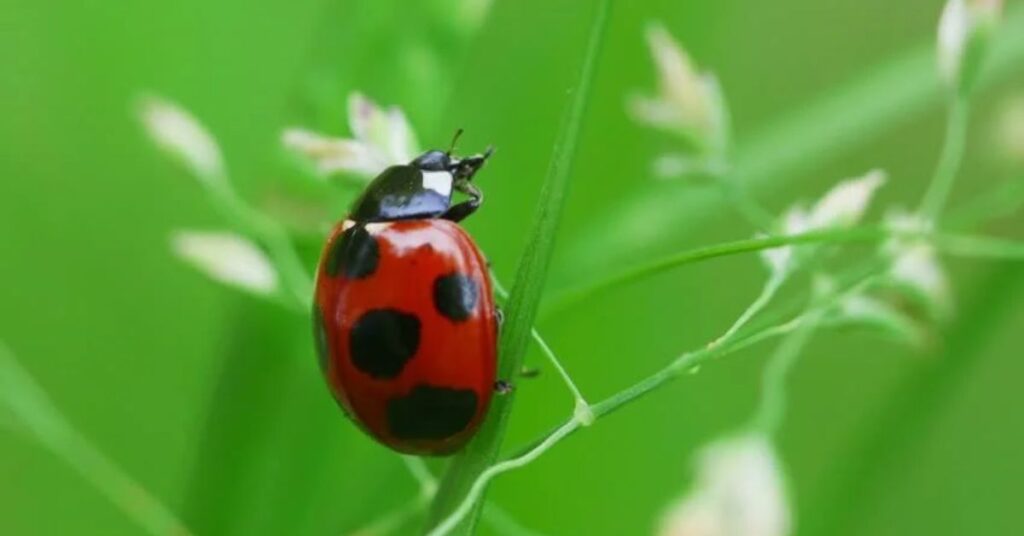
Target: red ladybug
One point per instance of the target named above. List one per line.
(404, 316)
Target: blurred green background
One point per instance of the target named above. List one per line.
(213, 401)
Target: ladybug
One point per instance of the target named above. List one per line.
(404, 316)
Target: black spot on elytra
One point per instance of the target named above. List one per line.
(429, 412)
(355, 254)
(455, 296)
(382, 341)
(320, 337)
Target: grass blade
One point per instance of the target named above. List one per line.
(864, 472)
(526, 293)
(38, 417)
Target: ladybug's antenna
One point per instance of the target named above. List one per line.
(455, 139)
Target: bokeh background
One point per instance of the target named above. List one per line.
(212, 400)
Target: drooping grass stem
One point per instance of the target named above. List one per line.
(950, 159)
(581, 403)
(772, 406)
(963, 245)
(584, 292)
(274, 237)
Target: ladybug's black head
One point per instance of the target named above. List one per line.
(422, 189)
(460, 168)
(434, 161)
(465, 168)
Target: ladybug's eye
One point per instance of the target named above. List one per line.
(433, 161)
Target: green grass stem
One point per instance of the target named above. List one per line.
(468, 468)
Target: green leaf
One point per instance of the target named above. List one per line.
(526, 293)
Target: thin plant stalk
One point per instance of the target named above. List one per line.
(755, 214)
(771, 287)
(419, 471)
(772, 406)
(480, 484)
(952, 155)
(274, 237)
(579, 294)
(964, 245)
(687, 362)
(581, 403)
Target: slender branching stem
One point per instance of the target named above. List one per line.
(950, 159)
(419, 471)
(744, 202)
(581, 403)
(771, 287)
(477, 489)
(685, 362)
(772, 407)
(275, 238)
(573, 296)
(953, 244)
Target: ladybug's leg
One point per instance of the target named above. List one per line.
(503, 387)
(461, 211)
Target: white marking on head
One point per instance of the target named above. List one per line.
(376, 227)
(438, 181)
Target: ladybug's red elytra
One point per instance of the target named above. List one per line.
(404, 316)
